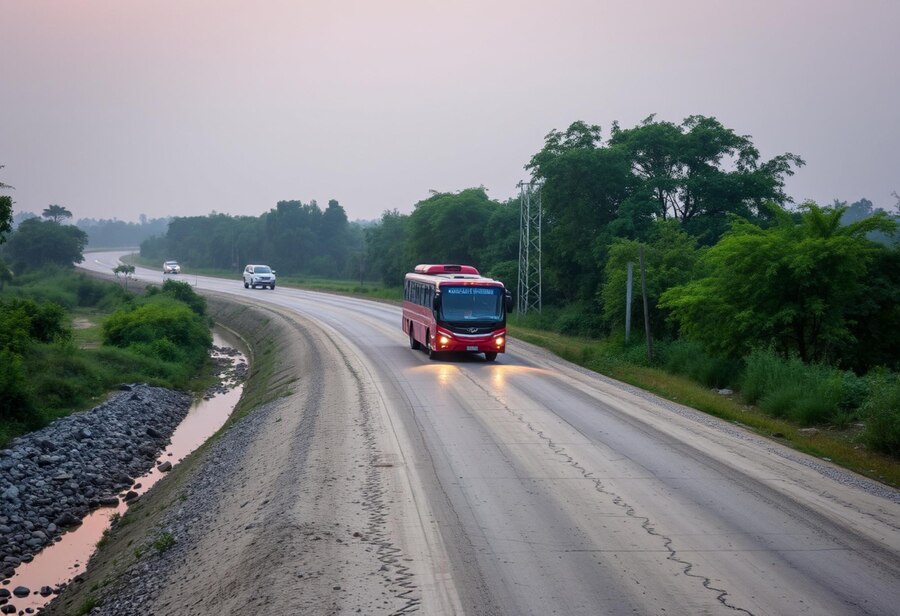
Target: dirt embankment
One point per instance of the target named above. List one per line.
(285, 511)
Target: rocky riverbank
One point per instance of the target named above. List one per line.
(50, 479)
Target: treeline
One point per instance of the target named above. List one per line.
(113, 233)
(293, 237)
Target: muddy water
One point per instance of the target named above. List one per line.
(61, 561)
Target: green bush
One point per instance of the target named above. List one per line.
(182, 292)
(690, 359)
(881, 412)
(161, 328)
(574, 320)
(805, 393)
(16, 402)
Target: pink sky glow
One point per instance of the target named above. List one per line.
(119, 108)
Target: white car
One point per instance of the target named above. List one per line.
(171, 267)
(259, 276)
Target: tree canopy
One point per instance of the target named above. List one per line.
(696, 173)
(39, 242)
(797, 286)
(6, 215)
(56, 213)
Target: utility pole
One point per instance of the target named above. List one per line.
(646, 310)
(628, 301)
(529, 287)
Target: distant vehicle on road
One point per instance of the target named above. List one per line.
(454, 308)
(171, 267)
(259, 276)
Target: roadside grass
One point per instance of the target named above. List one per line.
(840, 446)
(87, 330)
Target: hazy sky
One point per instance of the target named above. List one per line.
(117, 108)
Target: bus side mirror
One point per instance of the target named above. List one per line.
(436, 303)
(509, 302)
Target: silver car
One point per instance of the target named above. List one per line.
(259, 276)
(171, 267)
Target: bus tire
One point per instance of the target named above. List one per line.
(432, 354)
(490, 355)
(413, 343)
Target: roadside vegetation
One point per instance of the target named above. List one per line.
(66, 340)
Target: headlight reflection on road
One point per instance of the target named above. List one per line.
(499, 374)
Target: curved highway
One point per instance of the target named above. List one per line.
(551, 490)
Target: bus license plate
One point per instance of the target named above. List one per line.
(471, 348)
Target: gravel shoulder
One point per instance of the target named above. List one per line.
(298, 506)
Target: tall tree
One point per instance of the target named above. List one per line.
(56, 213)
(699, 172)
(6, 217)
(583, 186)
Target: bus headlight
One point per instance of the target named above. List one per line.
(443, 340)
(499, 341)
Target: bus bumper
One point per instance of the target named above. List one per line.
(448, 341)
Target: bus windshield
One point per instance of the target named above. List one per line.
(471, 303)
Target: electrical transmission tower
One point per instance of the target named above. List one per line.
(529, 288)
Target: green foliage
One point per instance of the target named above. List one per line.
(506, 272)
(882, 415)
(87, 605)
(805, 393)
(69, 290)
(16, 401)
(124, 269)
(5, 215)
(182, 292)
(690, 359)
(670, 259)
(293, 238)
(386, 248)
(44, 375)
(696, 173)
(578, 319)
(793, 286)
(161, 328)
(24, 320)
(584, 185)
(164, 542)
(452, 228)
(5, 275)
(56, 213)
(37, 243)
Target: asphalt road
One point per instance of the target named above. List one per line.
(546, 489)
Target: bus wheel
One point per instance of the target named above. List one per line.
(490, 356)
(413, 343)
(432, 354)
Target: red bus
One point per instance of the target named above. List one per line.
(454, 308)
